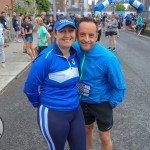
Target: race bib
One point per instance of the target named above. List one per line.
(49, 28)
(83, 89)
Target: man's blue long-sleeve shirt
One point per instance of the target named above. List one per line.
(101, 71)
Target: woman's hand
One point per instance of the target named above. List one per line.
(44, 41)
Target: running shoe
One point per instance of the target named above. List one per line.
(3, 65)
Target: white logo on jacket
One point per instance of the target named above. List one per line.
(64, 75)
(73, 62)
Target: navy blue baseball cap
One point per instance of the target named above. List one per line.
(61, 23)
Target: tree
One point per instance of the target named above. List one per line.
(19, 8)
(43, 5)
(128, 8)
(29, 1)
(120, 7)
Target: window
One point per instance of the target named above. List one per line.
(7, 10)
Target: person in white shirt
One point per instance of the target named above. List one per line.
(2, 53)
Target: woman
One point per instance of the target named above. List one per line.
(22, 27)
(43, 35)
(28, 30)
(55, 70)
(111, 26)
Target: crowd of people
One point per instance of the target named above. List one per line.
(110, 24)
(23, 28)
(73, 81)
(135, 23)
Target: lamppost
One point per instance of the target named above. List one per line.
(114, 7)
(93, 5)
(54, 9)
(146, 5)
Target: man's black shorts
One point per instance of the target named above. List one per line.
(111, 33)
(101, 112)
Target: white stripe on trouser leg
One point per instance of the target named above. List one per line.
(44, 127)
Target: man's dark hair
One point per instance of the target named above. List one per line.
(21, 14)
(87, 19)
(29, 17)
(61, 17)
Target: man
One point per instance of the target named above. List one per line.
(3, 20)
(4, 23)
(15, 24)
(101, 85)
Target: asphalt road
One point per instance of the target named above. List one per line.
(131, 130)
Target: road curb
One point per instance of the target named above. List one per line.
(141, 35)
(15, 78)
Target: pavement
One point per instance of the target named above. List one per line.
(16, 63)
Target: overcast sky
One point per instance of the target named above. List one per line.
(90, 1)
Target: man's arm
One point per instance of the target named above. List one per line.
(3, 22)
(116, 81)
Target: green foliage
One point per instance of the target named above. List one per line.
(43, 5)
(19, 9)
(120, 7)
(128, 7)
(98, 15)
(29, 1)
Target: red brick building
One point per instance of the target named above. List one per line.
(60, 5)
(7, 6)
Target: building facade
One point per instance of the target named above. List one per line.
(7, 6)
(61, 6)
(146, 4)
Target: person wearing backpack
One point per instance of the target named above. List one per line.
(128, 23)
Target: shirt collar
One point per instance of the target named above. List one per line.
(58, 51)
